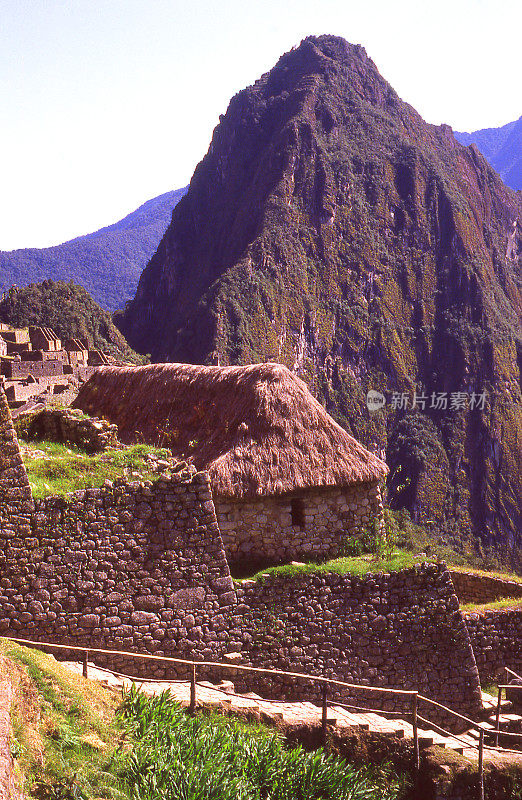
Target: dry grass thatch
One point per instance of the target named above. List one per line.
(256, 429)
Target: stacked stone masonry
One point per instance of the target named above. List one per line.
(474, 588)
(496, 638)
(130, 566)
(34, 361)
(311, 524)
(402, 629)
(38, 369)
(142, 567)
(71, 427)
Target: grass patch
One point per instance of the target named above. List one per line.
(209, 758)
(354, 565)
(491, 689)
(65, 468)
(65, 729)
(494, 605)
(505, 576)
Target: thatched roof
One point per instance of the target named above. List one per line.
(256, 429)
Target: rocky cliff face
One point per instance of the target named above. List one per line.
(330, 228)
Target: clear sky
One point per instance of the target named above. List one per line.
(107, 103)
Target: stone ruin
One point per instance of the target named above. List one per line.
(34, 361)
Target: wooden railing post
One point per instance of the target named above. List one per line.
(416, 753)
(481, 764)
(324, 719)
(85, 670)
(192, 706)
(497, 719)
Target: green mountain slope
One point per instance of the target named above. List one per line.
(70, 311)
(330, 228)
(108, 262)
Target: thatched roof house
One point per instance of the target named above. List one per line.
(287, 480)
(256, 429)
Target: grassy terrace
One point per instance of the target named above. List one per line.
(57, 469)
(494, 605)
(368, 563)
(505, 576)
(64, 728)
(354, 565)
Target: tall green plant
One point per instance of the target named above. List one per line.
(174, 756)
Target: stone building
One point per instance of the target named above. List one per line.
(34, 361)
(287, 481)
(44, 339)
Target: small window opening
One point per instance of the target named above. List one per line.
(297, 508)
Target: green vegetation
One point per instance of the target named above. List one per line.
(503, 149)
(70, 311)
(494, 605)
(177, 756)
(357, 565)
(74, 740)
(401, 545)
(108, 262)
(506, 576)
(459, 549)
(65, 468)
(65, 731)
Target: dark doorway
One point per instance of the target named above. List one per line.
(298, 508)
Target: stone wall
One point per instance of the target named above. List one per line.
(47, 355)
(309, 524)
(496, 638)
(16, 502)
(130, 566)
(142, 567)
(91, 434)
(474, 588)
(38, 369)
(400, 630)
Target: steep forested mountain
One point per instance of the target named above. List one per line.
(330, 228)
(108, 262)
(503, 149)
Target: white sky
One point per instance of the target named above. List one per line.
(107, 103)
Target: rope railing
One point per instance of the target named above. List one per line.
(386, 712)
(470, 721)
(219, 664)
(448, 733)
(407, 694)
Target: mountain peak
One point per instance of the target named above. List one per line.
(333, 230)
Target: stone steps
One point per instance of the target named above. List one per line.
(489, 701)
(220, 697)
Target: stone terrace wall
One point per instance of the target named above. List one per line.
(262, 530)
(142, 567)
(64, 425)
(38, 369)
(16, 502)
(131, 566)
(496, 638)
(473, 588)
(400, 630)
